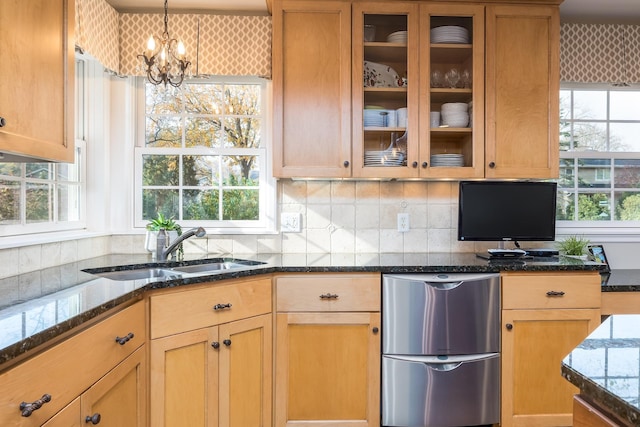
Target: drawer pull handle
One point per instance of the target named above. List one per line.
(93, 419)
(125, 339)
(3, 122)
(329, 296)
(555, 293)
(221, 306)
(28, 408)
(227, 342)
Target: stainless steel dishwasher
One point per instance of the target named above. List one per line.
(441, 349)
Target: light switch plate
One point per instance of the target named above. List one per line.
(290, 222)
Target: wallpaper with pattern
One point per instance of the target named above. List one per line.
(97, 31)
(599, 53)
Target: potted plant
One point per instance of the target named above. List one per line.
(161, 222)
(574, 246)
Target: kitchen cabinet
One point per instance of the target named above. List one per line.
(544, 317)
(311, 89)
(523, 90)
(327, 350)
(37, 80)
(587, 415)
(211, 355)
(620, 303)
(91, 369)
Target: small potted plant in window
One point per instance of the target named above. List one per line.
(161, 222)
(574, 247)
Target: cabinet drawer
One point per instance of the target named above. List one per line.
(69, 368)
(541, 290)
(176, 312)
(328, 292)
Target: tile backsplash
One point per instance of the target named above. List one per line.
(337, 217)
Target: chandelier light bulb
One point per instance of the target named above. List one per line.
(181, 50)
(151, 46)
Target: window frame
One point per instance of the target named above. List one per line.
(267, 186)
(610, 230)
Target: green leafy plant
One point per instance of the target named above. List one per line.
(573, 245)
(168, 224)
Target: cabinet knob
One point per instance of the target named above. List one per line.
(509, 326)
(414, 164)
(492, 165)
(215, 345)
(221, 306)
(3, 122)
(125, 339)
(346, 163)
(93, 419)
(227, 342)
(425, 164)
(375, 330)
(28, 408)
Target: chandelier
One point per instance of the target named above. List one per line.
(168, 62)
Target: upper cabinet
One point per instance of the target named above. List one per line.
(311, 89)
(523, 90)
(438, 90)
(37, 80)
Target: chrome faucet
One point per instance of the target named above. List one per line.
(163, 251)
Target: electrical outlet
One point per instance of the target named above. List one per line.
(403, 222)
(290, 222)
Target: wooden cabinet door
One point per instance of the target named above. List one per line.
(534, 342)
(184, 379)
(36, 79)
(522, 91)
(312, 89)
(327, 369)
(119, 398)
(67, 417)
(245, 367)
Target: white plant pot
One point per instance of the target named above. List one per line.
(150, 240)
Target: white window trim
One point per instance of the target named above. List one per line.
(267, 192)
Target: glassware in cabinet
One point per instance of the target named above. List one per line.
(455, 82)
(384, 61)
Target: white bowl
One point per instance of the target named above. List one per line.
(454, 106)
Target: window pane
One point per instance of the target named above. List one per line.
(627, 173)
(201, 205)
(68, 203)
(590, 105)
(240, 205)
(565, 206)
(625, 137)
(594, 173)
(39, 203)
(627, 206)
(242, 99)
(160, 201)
(201, 132)
(240, 170)
(203, 98)
(67, 172)
(594, 207)
(160, 170)
(162, 100)
(200, 170)
(9, 202)
(10, 169)
(567, 176)
(624, 105)
(242, 132)
(38, 170)
(590, 136)
(163, 132)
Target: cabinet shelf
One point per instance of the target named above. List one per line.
(451, 131)
(385, 52)
(450, 53)
(384, 129)
(440, 95)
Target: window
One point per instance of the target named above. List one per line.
(45, 197)
(599, 181)
(202, 159)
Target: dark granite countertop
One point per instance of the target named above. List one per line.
(39, 306)
(606, 367)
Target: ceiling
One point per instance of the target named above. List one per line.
(591, 11)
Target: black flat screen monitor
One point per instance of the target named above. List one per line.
(507, 211)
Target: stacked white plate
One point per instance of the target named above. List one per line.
(380, 118)
(447, 160)
(397, 37)
(449, 34)
(384, 158)
(455, 114)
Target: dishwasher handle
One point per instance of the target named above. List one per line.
(444, 286)
(443, 367)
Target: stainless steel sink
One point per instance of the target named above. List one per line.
(209, 267)
(140, 273)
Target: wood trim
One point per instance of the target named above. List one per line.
(620, 303)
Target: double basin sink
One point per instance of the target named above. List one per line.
(206, 267)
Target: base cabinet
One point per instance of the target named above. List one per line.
(211, 355)
(544, 317)
(328, 351)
